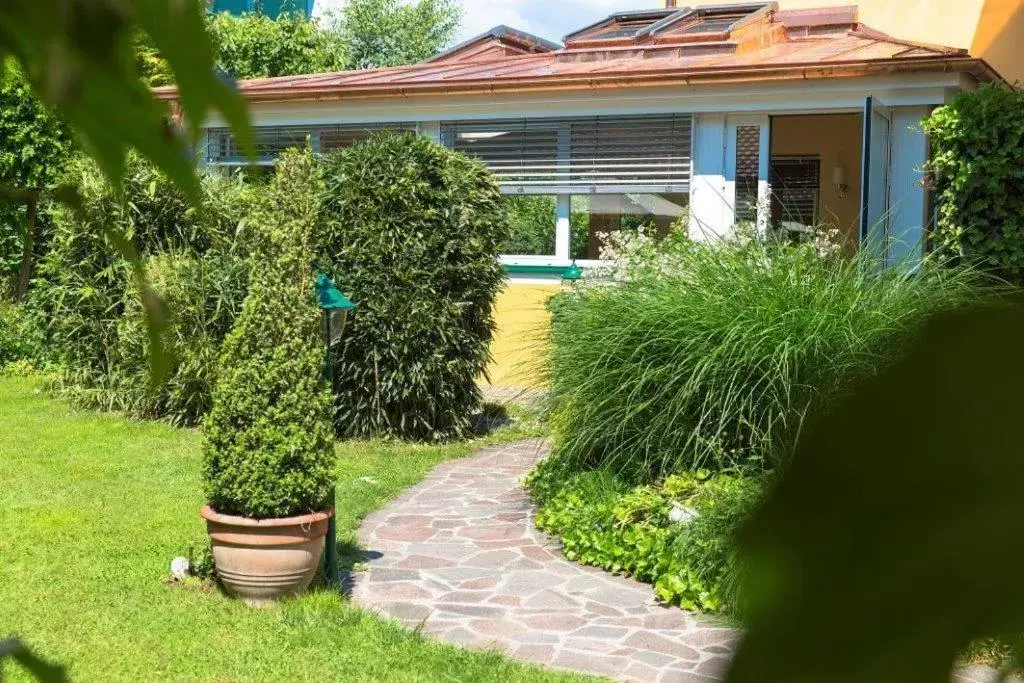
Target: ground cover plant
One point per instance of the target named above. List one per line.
(92, 509)
(679, 535)
(411, 232)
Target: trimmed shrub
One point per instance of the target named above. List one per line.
(678, 535)
(269, 448)
(977, 166)
(715, 362)
(411, 234)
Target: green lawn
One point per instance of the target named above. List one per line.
(93, 508)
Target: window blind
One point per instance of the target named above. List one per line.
(795, 183)
(271, 141)
(613, 154)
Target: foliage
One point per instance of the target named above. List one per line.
(269, 443)
(533, 227)
(119, 498)
(411, 234)
(382, 33)
(256, 46)
(96, 325)
(630, 530)
(78, 55)
(20, 336)
(977, 166)
(33, 146)
(906, 493)
(718, 362)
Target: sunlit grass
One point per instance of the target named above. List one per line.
(92, 509)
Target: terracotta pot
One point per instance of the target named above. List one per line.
(262, 561)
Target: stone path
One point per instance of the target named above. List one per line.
(459, 554)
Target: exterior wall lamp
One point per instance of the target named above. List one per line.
(839, 180)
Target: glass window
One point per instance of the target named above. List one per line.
(533, 225)
(592, 217)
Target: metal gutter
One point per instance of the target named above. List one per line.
(625, 78)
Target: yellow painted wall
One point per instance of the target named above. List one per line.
(991, 29)
(518, 345)
(837, 139)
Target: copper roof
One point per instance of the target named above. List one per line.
(773, 45)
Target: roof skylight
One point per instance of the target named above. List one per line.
(711, 20)
(623, 25)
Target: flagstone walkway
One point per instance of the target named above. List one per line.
(459, 554)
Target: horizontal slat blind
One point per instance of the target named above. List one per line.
(272, 140)
(795, 184)
(580, 155)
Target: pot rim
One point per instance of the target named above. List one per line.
(212, 515)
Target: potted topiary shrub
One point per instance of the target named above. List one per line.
(269, 443)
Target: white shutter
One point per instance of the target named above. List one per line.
(614, 154)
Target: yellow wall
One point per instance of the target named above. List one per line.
(991, 29)
(837, 140)
(518, 346)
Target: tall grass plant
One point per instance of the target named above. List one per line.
(714, 358)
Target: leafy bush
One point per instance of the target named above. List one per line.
(411, 235)
(691, 560)
(34, 145)
(269, 445)
(977, 166)
(715, 362)
(196, 259)
(20, 336)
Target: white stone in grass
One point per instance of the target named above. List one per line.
(180, 568)
(680, 514)
(368, 480)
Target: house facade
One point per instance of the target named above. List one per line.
(709, 117)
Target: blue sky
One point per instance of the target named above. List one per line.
(549, 19)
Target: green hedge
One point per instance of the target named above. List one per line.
(977, 166)
(196, 259)
(411, 235)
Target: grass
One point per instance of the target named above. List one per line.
(717, 363)
(92, 509)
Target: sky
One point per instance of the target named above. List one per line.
(551, 19)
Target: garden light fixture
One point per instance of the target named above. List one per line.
(572, 273)
(336, 307)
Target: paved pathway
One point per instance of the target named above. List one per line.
(459, 554)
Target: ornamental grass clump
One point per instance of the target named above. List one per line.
(715, 361)
(269, 449)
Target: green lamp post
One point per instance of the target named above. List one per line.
(336, 307)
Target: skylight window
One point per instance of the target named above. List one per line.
(621, 26)
(711, 20)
